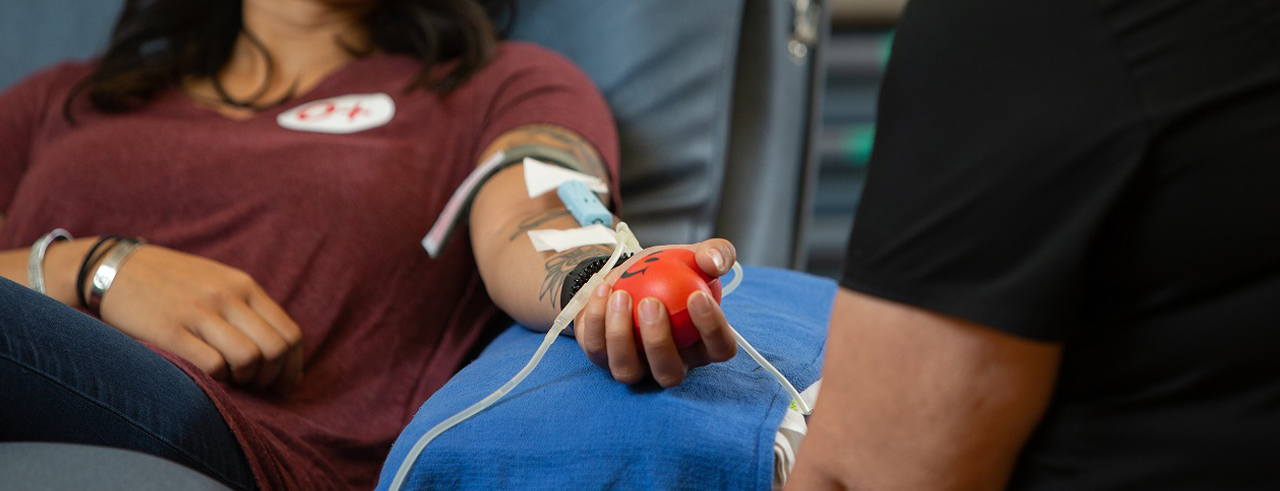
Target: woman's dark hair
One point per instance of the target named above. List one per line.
(157, 44)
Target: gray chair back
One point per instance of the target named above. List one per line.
(32, 466)
(34, 34)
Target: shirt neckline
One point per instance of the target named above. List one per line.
(318, 91)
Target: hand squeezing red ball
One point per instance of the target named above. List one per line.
(659, 314)
(670, 275)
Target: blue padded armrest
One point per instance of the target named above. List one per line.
(570, 425)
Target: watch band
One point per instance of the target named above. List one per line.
(583, 273)
(105, 274)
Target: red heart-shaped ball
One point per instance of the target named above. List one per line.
(669, 275)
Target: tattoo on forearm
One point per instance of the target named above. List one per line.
(572, 150)
(560, 265)
(561, 140)
(536, 220)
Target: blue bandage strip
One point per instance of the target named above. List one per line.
(583, 204)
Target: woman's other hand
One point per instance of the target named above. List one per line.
(215, 316)
(605, 327)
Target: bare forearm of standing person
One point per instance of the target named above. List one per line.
(912, 399)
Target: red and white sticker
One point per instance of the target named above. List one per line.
(340, 115)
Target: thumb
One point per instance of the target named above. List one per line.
(715, 256)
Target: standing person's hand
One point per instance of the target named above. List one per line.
(605, 327)
(215, 316)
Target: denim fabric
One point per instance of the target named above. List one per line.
(67, 377)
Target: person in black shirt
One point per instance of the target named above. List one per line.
(1065, 271)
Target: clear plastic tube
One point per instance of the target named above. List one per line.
(470, 411)
(626, 240)
(733, 284)
(768, 367)
(755, 355)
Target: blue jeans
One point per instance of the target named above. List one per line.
(67, 377)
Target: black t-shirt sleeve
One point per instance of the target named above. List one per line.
(1007, 131)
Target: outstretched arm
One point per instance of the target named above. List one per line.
(523, 282)
(526, 283)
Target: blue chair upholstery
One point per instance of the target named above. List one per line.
(36, 34)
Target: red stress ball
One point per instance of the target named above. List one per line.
(669, 275)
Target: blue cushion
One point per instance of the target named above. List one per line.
(571, 425)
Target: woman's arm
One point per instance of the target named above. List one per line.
(60, 262)
(210, 314)
(526, 284)
(912, 399)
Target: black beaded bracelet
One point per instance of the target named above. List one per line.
(91, 258)
(583, 273)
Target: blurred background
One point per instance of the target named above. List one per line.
(861, 35)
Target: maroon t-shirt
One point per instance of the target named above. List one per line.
(329, 224)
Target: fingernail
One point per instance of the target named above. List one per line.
(716, 258)
(699, 302)
(650, 310)
(602, 291)
(620, 302)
